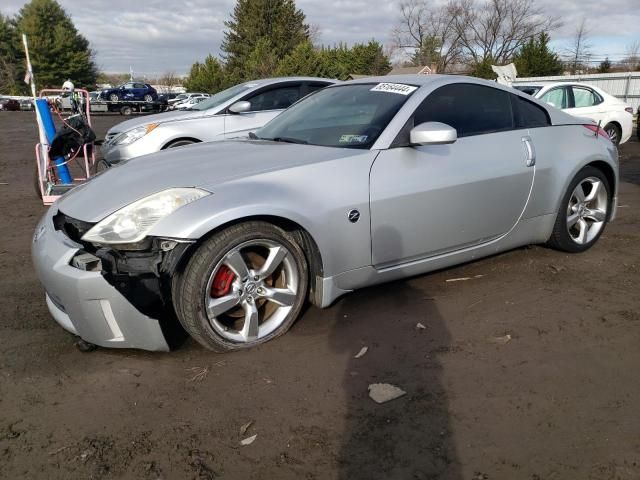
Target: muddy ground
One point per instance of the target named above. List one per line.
(558, 400)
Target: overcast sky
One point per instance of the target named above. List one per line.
(154, 36)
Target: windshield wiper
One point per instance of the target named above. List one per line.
(287, 140)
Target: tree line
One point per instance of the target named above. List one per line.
(264, 38)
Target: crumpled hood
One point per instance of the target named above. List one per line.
(156, 118)
(204, 165)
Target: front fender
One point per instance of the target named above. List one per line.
(320, 208)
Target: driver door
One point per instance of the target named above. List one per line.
(435, 199)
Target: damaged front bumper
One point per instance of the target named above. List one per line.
(109, 298)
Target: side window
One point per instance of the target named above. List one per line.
(556, 97)
(470, 109)
(528, 114)
(585, 97)
(275, 99)
(139, 85)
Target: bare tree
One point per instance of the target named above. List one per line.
(631, 61)
(469, 31)
(430, 31)
(314, 34)
(493, 30)
(579, 52)
(170, 80)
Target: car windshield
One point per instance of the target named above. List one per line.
(528, 89)
(348, 116)
(221, 97)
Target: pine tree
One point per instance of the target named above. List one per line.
(535, 59)
(304, 60)
(279, 21)
(207, 77)
(605, 66)
(58, 52)
(369, 59)
(10, 57)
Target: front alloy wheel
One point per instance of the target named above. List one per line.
(244, 286)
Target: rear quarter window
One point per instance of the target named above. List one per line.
(528, 114)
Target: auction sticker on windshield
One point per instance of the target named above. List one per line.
(398, 88)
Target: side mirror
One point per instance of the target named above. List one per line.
(432, 133)
(240, 107)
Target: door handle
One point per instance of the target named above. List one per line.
(529, 150)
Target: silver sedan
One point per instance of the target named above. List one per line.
(359, 183)
(231, 113)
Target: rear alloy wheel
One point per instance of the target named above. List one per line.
(148, 98)
(614, 133)
(583, 213)
(244, 286)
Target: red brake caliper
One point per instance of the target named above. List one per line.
(222, 282)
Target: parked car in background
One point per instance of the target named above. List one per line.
(9, 104)
(186, 104)
(231, 113)
(182, 97)
(130, 91)
(26, 104)
(582, 100)
(361, 183)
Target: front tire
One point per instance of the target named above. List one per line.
(583, 213)
(244, 286)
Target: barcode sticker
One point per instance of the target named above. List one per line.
(398, 88)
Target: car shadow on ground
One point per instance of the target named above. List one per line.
(409, 437)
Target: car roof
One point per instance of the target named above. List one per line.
(268, 81)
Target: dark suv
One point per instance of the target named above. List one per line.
(130, 91)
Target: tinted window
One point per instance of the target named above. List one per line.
(528, 114)
(556, 97)
(528, 89)
(276, 99)
(585, 97)
(470, 109)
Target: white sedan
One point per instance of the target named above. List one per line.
(582, 100)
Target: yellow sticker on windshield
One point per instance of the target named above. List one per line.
(399, 88)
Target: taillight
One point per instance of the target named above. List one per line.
(597, 130)
(629, 110)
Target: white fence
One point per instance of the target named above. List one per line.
(625, 86)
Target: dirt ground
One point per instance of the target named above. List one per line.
(558, 399)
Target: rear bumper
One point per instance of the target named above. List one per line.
(83, 302)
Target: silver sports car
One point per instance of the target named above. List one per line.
(360, 183)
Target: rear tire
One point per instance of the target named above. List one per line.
(126, 110)
(614, 132)
(244, 286)
(148, 98)
(584, 212)
(114, 97)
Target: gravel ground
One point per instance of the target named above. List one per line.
(529, 371)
